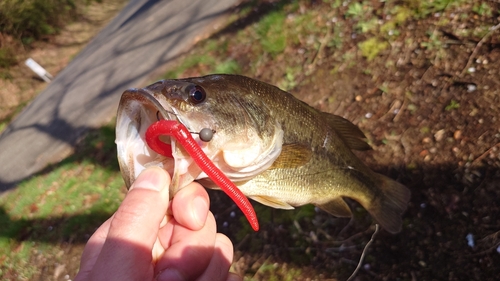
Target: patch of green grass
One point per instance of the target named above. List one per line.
(356, 10)
(3, 125)
(212, 59)
(372, 47)
(188, 63)
(229, 66)
(399, 15)
(423, 9)
(434, 43)
(334, 4)
(362, 13)
(453, 105)
(289, 82)
(271, 32)
(368, 25)
(425, 130)
(31, 20)
(65, 203)
(483, 9)
(275, 272)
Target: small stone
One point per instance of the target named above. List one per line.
(473, 112)
(457, 134)
(470, 240)
(359, 98)
(471, 88)
(438, 136)
(426, 140)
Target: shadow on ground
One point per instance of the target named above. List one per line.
(448, 205)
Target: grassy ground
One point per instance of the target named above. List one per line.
(420, 78)
(52, 214)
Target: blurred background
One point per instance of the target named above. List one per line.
(420, 78)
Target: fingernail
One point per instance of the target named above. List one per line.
(199, 209)
(150, 178)
(169, 274)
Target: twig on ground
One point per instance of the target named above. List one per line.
(319, 52)
(364, 253)
(478, 46)
(352, 237)
(493, 239)
(482, 156)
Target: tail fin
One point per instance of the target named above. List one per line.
(390, 204)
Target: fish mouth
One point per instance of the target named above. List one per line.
(137, 110)
(140, 108)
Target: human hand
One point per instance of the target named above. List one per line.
(142, 242)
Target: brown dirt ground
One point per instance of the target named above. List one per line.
(449, 156)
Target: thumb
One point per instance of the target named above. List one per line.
(134, 227)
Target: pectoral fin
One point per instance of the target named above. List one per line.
(337, 207)
(292, 156)
(272, 202)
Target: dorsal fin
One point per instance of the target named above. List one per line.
(350, 133)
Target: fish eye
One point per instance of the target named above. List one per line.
(197, 95)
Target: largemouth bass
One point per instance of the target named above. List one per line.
(277, 150)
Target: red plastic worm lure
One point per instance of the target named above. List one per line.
(184, 138)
